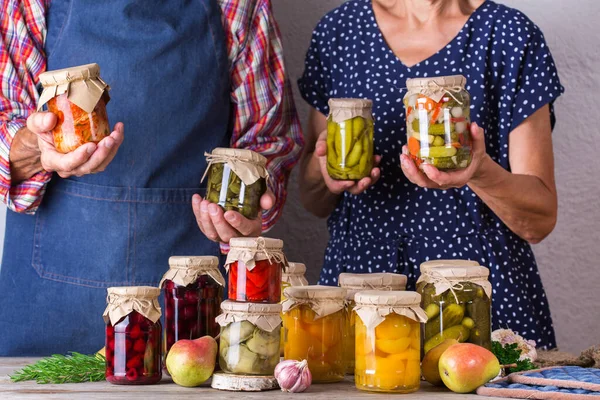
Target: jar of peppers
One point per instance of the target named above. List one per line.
(78, 98)
(314, 321)
(133, 336)
(354, 283)
(193, 289)
(427, 265)
(292, 276)
(388, 341)
(254, 267)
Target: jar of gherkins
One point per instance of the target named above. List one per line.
(354, 283)
(437, 121)
(236, 180)
(427, 265)
(457, 301)
(349, 139)
(292, 276)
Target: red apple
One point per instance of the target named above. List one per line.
(191, 362)
(465, 366)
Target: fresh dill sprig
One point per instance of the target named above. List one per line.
(73, 368)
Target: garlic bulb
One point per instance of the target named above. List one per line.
(293, 376)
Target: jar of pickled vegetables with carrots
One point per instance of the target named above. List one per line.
(292, 276)
(349, 139)
(438, 121)
(354, 283)
(388, 341)
(313, 320)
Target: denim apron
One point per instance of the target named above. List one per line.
(166, 62)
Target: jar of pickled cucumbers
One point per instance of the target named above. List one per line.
(349, 139)
(193, 289)
(457, 301)
(237, 179)
(78, 98)
(292, 276)
(133, 336)
(313, 321)
(437, 122)
(249, 341)
(254, 266)
(388, 341)
(354, 283)
(424, 267)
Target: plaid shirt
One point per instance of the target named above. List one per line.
(264, 115)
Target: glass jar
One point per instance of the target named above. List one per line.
(133, 336)
(438, 122)
(349, 139)
(254, 267)
(193, 289)
(457, 301)
(313, 322)
(236, 180)
(354, 283)
(427, 265)
(292, 276)
(388, 341)
(249, 341)
(78, 97)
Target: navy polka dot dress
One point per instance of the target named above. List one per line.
(395, 225)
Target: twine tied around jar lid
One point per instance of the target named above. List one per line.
(427, 265)
(184, 270)
(247, 164)
(354, 283)
(251, 249)
(449, 278)
(323, 300)
(294, 274)
(341, 110)
(264, 316)
(121, 301)
(372, 306)
(436, 87)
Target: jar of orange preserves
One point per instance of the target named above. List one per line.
(313, 320)
(388, 341)
(292, 276)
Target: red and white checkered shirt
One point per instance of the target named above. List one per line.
(264, 114)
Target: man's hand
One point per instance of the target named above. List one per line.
(220, 226)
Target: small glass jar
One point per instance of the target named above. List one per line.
(354, 283)
(314, 321)
(388, 341)
(133, 340)
(292, 276)
(427, 265)
(237, 180)
(249, 341)
(438, 121)
(78, 98)
(457, 301)
(193, 289)
(254, 267)
(349, 139)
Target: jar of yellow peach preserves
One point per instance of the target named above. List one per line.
(388, 341)
(293, 275)
(313, 320)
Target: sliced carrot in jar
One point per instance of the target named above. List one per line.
(413, 146)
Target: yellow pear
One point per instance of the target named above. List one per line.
(430, 366)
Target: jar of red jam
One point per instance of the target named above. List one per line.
(78, 97)
(193, 289)
(133, 336)
(254, 266)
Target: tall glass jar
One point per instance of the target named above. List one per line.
(349, 139)
(457, 301)
(388, 341)
(427, 265)
(249, 341)
(78, 98)
(314, 320)
(254, 267)
(438, 121)
(133, 336)
(237, 179)
(292, 276)
(354, 283)
(193, 289)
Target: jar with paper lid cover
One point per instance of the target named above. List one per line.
(425, 266)
(293, 275)
(457, 301)
(313, 320)
(354, 283)
(388, 341)
(133, 336)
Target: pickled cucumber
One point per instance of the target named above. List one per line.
(432, 310)
(437, 151)
(432, 129)
(457, 332)
(350, 149)
(452, 314)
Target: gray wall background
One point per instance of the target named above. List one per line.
(569, 258)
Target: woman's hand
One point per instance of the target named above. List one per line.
(338, 187)
(220, 226)
(433, 178)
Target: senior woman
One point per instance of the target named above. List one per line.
(401, 216)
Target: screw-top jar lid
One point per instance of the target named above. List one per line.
(459, 272)
(427, 265)
(315, 292)
(387, 298)
(259, 308)
(350, 103)
(184, 270)
(374, 281)
(434, 81)
(256, 243)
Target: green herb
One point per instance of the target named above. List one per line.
(509, 355)
(73, 368)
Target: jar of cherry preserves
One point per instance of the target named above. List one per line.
(133, 336)
(254, 266)
(193, 289)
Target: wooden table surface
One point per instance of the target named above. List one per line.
(168, 390)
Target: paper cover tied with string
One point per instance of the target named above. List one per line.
(185, 270)
(354, 283)
(122, 301)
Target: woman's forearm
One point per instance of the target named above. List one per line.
(523, 202)
(314, 194)
(24, 156)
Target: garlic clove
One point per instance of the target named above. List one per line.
(293, 376)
